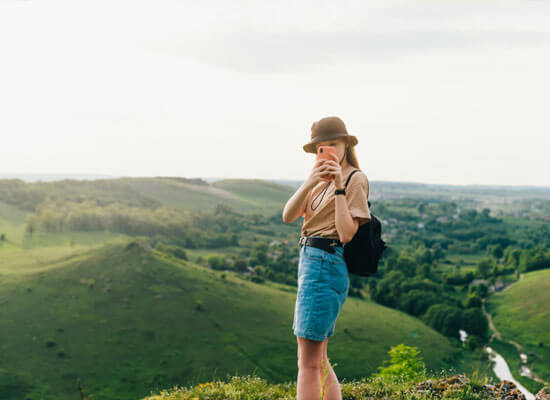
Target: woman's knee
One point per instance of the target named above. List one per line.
(310, 353)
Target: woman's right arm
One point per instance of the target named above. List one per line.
(295, 206)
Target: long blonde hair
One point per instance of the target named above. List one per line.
(351, 157)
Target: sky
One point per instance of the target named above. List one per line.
(448, 92)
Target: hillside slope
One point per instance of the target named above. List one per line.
(246, 195)
(521, 314)
(128, 320)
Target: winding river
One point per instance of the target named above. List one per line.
(500, 368)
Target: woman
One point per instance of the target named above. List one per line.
(330, 220)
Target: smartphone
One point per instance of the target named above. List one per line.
(324, 152)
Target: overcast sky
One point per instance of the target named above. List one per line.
(437, 91)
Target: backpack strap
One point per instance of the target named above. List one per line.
(349, 177)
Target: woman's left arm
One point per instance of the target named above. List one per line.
(352, 207)
(345, 224)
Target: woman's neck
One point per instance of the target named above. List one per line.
(346, 168)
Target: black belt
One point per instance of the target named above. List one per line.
(326, 244)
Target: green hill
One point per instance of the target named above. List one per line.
(521, 314)
(128, 320)
(257, 192)
(250, 195)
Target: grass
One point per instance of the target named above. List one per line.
(252, 387)
(244, 195)
(519, 314)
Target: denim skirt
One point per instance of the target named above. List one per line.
(323, 286)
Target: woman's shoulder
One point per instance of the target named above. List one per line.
(358, 177)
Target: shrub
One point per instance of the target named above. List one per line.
(257, 279)
(473, 301)
(405, 362)
(473, 342)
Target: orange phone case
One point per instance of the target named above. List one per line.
(323, 153)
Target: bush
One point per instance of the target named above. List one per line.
(257, 279)
(445, 319)
(404, 362)
(482, 290)
(473, 301)
(216, 262)
(473, 342)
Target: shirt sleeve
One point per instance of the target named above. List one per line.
(357, 194)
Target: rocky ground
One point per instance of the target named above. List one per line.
(505, 390)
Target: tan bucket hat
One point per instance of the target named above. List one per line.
(326, 129)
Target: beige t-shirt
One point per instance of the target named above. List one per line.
(321, 220)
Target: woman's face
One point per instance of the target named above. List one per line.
(338, 143)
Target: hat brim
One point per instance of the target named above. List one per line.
(310, 147)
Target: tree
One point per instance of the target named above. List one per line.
(473, 301)
(497, 251)
(31, 224)
(474, 322)
(416, 301)
(388, 289)
(216, 262)
(405, 264)
(444, 319)
(480, 289)
(512, 256)
(473, 342)
(240, 265)
(484, 267)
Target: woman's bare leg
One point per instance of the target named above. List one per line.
(332, 390)
(310, 353)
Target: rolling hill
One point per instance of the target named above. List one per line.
(521, 313)
(250, 195)
(128, 320)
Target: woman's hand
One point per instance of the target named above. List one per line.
(319, 169)
(334, 168)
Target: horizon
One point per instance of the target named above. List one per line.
(53, 177)
(434, 91)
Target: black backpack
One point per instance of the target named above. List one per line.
(363, 252)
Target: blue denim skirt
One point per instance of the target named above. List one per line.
(323, 286)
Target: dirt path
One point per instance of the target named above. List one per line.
(497, 334)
